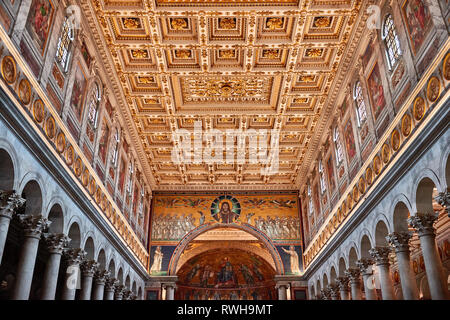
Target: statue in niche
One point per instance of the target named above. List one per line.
(294, 259)
(157, 260)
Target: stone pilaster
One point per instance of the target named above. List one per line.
(55, 244)
(437, 280)
(33, 226)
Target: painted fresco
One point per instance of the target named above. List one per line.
(376, 92)
(39, 21)
(330, 173)
(316, 200)
(349, 138)
(277, 216)
(418, 22)
(292, 259)
(159, 259)
(104, 141)
(226, 275)
(78, 90)
(122, 175)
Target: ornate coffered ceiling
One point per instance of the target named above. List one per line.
(241, 64)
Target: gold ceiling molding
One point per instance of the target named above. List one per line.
(229, 64)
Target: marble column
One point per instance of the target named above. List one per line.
(365, 266)
(381, 258)
(118, 293)
(400, 242)
(88, 269)
(33, 227)
(55, 246)
(110, 287)
(437, 280)
(443, 198)
(170, 291)
(9, 202)
(334, 290)
(282, 291)
(355, 282)
(99, 281)
(343, 284)
(74, 257)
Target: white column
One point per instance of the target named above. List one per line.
(437, 280)
(110, 287)
(381, 258)
(355, 282)
(88, 269)
(55, 245)
(74, 258)
(342, 283)
(170, 291)
(282, 291)
(33, 228)
(400, 241)
(365, 266)
(99, 281)
(9, 202)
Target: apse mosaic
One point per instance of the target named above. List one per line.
(277, 216)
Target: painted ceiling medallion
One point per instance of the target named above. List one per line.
(322, 22)
(227, 23)
(131, 23)
(146, 80)
(274, 23)
(179, 23)
(183, 54)
(307, 78)
(227, 54)
(271, 53)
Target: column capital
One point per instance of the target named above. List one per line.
(33, 226)
(74, 256)
(88, 267)
(334, 290)
(10, 201)
(56, 242)
(365, 266)
(119, 289)
(353, 274)
(443, 198)
(380, 255)
(399, 240)
(101, 276)
(343, 282)
(326, 294)
(127, 295)
(111, 283)
(423, 223)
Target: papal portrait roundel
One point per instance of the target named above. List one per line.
(225, 209)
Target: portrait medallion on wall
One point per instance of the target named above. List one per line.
(50, 128)
(418, 22)
(395, 140)
(225, 209)
(38, 111)
(369, 175)
(376, 92)
(9, 72)
(39, 22)
(24, 91)
(406, 125)
(78, 166)
(419, 108)
(446, 67)
(377, 164)
(60, 142)
(433, 89)
(70, 155)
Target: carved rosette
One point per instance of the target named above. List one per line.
(423, 223)
(101, 276)
(380, 255)
(33, 226)
(88, 267)
(334, 291)
(443, 198)
(399, 240)
(111, 284)
(353, 275)
(343, 283)
(365, 266)
(74, 256)
(56, 242)
(10, 201)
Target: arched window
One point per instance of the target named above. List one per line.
(115, 149)
(338, 146)
(391, 41)
(323, 186)
(94, 104)
(360, 104)
(63, 51)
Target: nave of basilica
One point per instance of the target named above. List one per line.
(224, 150)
